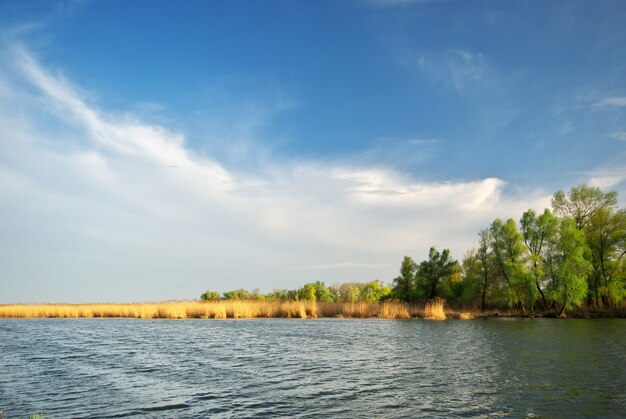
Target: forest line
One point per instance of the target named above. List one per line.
(569, 257)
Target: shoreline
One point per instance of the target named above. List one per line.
(263, 309)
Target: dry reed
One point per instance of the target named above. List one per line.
(229, 309)
(233, 309)
(434, 310)
(460, 315)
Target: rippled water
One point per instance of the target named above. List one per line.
(341, 368)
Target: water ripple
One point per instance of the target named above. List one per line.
(113, 368)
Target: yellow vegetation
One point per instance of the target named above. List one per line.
(434, 310)
(229, 309)
(465, 315)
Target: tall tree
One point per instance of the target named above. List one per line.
(486, 264)
(432, 271)
(468, 289)
(606, 237)
(537, 232)
(581, 203)
(511, 257)
(570, 267)
(404, 284)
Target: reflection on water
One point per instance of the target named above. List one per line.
(342, 368)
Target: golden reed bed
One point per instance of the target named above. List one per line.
(230, 310)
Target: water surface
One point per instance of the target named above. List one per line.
(312, 368)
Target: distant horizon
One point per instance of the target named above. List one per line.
(225, 145)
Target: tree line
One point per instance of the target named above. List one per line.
(347, 292)
(553, 261)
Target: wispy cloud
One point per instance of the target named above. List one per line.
(458, 68)
(414, 141)
(111, 206)
(608, 178)
(469, 75)
(619, 135)
(397, 3)
(566, 128)
(424, 141)
(397, 152)
(613, 101)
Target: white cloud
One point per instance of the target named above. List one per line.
(613, 101)
(424, 141)
(101, 206)
(606, 182)
(608, 178)
(458, 68)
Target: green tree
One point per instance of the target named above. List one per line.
(431, 272)
(256, 294)
(570, 267)
(373, 292)
(538, 231)
(210, 296)
(347, 292)
(282, 295)
(240, 294)
(322, 292)
(464, 285)
(486, 264)
(511, 258)
(404, 284)
(581, 203)
(606, 237)
(306, 293)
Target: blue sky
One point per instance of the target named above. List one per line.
(153, 150)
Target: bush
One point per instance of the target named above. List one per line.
(210, 296)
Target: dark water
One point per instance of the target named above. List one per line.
(312, 368)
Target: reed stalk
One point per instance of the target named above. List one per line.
(434, 310)
(232, 309)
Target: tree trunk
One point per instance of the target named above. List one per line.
(543, 297)
(482, 300)
(433, 290)
(562, 313)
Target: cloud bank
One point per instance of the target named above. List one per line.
(102, 206)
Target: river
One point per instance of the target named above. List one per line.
(109, 368)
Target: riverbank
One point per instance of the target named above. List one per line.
(580, 314)
(233, 309)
